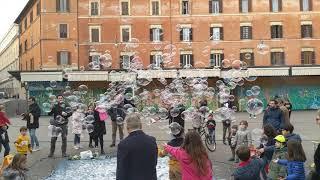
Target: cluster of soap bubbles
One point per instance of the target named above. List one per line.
(254, 105)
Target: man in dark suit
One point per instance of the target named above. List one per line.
(137, 154)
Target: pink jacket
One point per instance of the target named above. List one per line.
(188, 170)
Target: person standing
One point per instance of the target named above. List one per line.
(117, 116)
(99, 127)
(4, 125)
(288, 105)
(60, 120)
(32, 118)
(284, 110)
(274, 116)
(137, 154)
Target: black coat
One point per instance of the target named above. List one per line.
(116, 112)
(34, 109)
(57, 110)
(99, 126)
(4, 138)
(137, 157)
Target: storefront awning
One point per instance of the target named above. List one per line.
(305, 71)
(41, 76)
(157, 74)
(199, 72)
(88, 76)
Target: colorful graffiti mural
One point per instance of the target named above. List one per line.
(301, 97)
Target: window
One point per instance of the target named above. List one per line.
(125, 33)
(184, 7)
(245, 6)
(308, 57)
(62, 5)
(215, 6)
(305, 5)
(245, 32)
(156, 60)
(25, 23)
(276, 31)
(32, 64)
(38, 9)
(63, 28)
(277, 58)
(25, 45)
(63, 58)
(186, 34)
(125, 61)
(156, 34)
(216, 33)
(247, 57)
(31, 17)
(95, 34)
(216, 59)
(125, 8)
(306, 31)
(275, 5)
(155, 8)
(94, 8)
(186, 60)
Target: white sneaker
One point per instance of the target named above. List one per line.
(36, 149)
(79, 146)
(76, 147)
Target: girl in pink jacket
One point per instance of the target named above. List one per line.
(193, 158)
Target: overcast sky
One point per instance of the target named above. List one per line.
(9, 11)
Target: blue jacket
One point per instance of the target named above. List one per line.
(251, 171)
(273, 116)
(293, 136)
(137, 157)
(295, 169)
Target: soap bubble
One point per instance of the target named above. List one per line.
(231, 98)
(53, 84)
(89, 119)
(255, 90)
(254, 106)
(82, 68)
(247, 56)
(128, 96)
(49, 91)
(256, 135)
(83, 89)
(249, 93)
(236, 64)
(52, 98)
(60, 120)
(68, 110)
(263, 48)
(163, 113)
(90, 128)
(175, 128)
(120, 120)
(174, 112)
(143, 81)
(46, 107)
(225, 63)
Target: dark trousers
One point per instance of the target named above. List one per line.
(6, 148)
(97, 140)
(225, 128)
(64, 135)
(115, 126)
(76, 139)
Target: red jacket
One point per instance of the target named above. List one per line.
(3, 119)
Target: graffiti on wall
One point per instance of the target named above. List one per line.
(301, 97)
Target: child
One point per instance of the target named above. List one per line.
(17, 169)
(295, 161)
(99, 131)
(4, 125)
(174, 166)
(22, 143)
(226, 127)
(249, 168)
(90, 112)
(211, 125)
(287, 131)
(77, 121)
(243, 137)
(277, 171)
(193, 157)
(232, 142)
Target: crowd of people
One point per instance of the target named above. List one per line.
(280, 154)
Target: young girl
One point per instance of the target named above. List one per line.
(193, 158)
(4, 125)
(77, 119)
(17, 169)
(243, 137)
(295, 161)
(99, 131)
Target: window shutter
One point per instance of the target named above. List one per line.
(181, 35)
(121, 62)
(280, 32)
(313, 60)
(220, 6)
(280, 5)
(68, 5)
(58, 5)
(240, 6)
(211, 33)
(250, 32)
(303, 31)
(211, 59)
(210, 6)
(181, 60)
(151, 34)
(161, 34)
(310, 30)
(252, 59)
(151, 59)
(242, 57)
(69, 58)
(241, 32)
(270, 5)
(250, 6)
(302, 57)
(310, 5)
(301, 8)
(272, 29)
(58, 58)
(191, 59)
(282, 58)
(191, 34)
(272, 58)
(221, 33)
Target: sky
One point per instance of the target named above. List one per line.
(9, 11)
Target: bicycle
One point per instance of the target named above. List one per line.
(209, 139)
